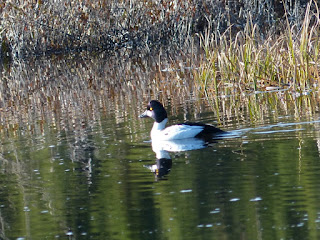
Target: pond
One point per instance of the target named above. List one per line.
(77, 162)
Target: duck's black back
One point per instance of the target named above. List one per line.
(208, 131)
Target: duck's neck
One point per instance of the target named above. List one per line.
(160, 125)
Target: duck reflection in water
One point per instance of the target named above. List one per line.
(163, 162)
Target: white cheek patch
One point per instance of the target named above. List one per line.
(149, 113)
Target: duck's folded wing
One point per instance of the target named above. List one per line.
(181, 131)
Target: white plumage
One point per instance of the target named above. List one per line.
(175, 132)
(159, 131)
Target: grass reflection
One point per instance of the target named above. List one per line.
(72, 155)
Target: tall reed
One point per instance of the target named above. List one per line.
(250, 62)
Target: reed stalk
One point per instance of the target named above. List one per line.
(251, 63)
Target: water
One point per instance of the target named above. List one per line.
(92, 174)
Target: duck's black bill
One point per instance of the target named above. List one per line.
(144, 115)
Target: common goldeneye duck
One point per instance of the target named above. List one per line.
(156, 111)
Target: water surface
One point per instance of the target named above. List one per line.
(93, 175)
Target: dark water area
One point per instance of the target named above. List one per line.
(76, 162)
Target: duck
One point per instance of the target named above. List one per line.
(187, 130)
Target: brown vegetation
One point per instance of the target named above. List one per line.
(248, 62)
(36, 28)
(238, 58)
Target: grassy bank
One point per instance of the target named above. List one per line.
(37, 28)
(249, 63)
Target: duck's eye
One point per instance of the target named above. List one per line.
(151, 109)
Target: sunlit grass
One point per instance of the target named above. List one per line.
(250, 63)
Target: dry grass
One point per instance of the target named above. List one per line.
(248, 63)
(36, 27)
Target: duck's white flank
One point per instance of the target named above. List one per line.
(174, 132)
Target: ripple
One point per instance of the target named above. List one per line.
(234, 199)
(186, 191)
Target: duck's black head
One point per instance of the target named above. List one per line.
(155, 110)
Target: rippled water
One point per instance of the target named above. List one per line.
(99, 181)
(76, 162)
